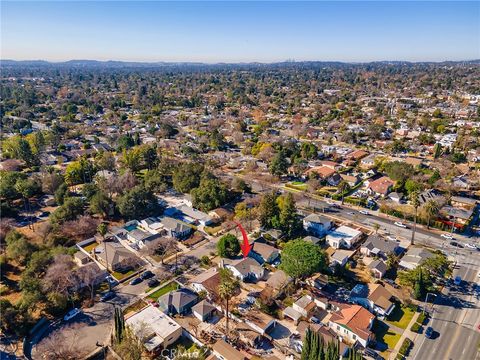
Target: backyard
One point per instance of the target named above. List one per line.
(401, 316)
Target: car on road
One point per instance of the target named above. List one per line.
(364, 212)
(470, 246)
(136, 281)
(429, 332)
(400, 224)
(458, 280)
(147, 275)
(447, 236)
(456, 244)
(71, 314)
(153, 282)
(351, 213)
(392, 238)
(108, 296)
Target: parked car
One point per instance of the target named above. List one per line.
(400, 224)
(447, 236)
(456, 244)
(136, 281)
(364, 212)
(111, 280)
(429, 332)
(152, 282)
(146, 275)
(471, 246)
(71, 314)
(108, 296)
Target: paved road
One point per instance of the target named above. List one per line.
(455, 320)
(94, 324)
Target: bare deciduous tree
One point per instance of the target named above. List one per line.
(62, 345)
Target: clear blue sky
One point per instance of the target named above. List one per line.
(240, 31)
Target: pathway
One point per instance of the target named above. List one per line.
(406, 334)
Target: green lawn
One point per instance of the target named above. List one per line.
(386, 338)
(120, 276)
(163, 290)
(298, 185)
(88, 248)
(400, 316)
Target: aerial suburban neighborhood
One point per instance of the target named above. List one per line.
(288, 210)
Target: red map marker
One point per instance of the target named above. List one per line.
(246, 247)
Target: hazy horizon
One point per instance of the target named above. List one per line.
(241, 32)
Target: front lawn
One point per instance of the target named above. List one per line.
(401, 316)
(120, 276)
(163, 290)
(386, 338)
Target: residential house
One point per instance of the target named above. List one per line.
(317, 224)
(331, 165)
(246, 269)
(357, 155)
(204, 310)
(396, 197)
(457, 216)
(378, 268)
(224, 351)
(140, 238)
(351, 180)
(318, 281)
(327, 334)
(343, 236)
(369, 161)
(465, 202)
(263, 253)
(302, 308)
(312, 239)
(248, 335)
(381, 186)
(178, 301)
(157, 330)
(276, 284)
(175, 228)
(431, 194)
(208, 282)
(116, 256)
(322, 172)
(353, 323)
(197, 216)
(259, 321)
(379, 246)
(373, 297)
(152, 225)
(340, 257)
(414, 256)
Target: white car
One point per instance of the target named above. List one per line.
(447, 236)
(392, 238)
(471, 246)
(400, 224)
(71, 314)
(364, 212)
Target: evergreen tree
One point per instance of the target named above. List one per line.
(306, 344)
(314, 347)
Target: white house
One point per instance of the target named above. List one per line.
(158, 329)
(373, 297)
(247, 269)
(343, 236)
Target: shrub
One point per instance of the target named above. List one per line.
(416, 327)
(422, 317)
(406, 345)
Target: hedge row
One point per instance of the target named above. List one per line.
(405, 348)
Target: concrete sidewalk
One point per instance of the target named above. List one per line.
(406, 334)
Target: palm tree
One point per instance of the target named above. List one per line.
(227, 288)
(431, 209)
(415, 203)
(343, 187)
(102, 230)
(376, 227)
